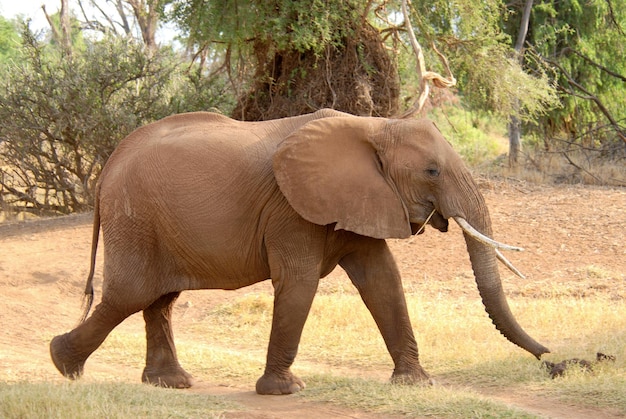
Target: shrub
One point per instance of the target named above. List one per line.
(63, 115)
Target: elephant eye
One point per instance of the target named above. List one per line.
(432, 172)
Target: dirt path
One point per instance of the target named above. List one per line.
(566, 232)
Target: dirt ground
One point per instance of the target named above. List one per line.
(567, 232)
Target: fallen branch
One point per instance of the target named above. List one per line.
(581, 168)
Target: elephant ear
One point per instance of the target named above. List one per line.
(330, 172)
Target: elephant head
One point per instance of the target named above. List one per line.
(387, 178)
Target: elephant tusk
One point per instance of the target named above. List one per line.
(471, 231)
(508, 264)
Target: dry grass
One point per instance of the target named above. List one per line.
(554, 168)
(78, 400)
(344, 360)
(573, 301)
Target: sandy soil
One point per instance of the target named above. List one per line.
(567, 233)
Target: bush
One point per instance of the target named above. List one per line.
(63, 115)
(479, 139)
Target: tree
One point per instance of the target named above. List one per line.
(141, 14)
(305, 55)
(480, 53)
(584, 47)
(514, 122)
(147, 16)
(63, 117)
(344, 54)
(62, 35)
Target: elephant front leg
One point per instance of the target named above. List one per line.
(373, 271)
(162, 367)
(292, 302)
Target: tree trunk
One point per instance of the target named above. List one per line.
(359, 76)
(66, 28)
(64, 38)
(515, 137)
(146, 13)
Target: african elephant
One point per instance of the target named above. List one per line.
(201, 201)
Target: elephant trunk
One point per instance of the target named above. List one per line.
(484, 265)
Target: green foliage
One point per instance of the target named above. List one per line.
(9, 41)
(283, 24)
(293, 57)
(191, 89)
(64, 116)
(584, 46)
(478, 137)
(481, 56)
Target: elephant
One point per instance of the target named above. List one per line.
(202, 201)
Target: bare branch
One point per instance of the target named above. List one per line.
(589, 96)
(66, 29)
(53, 28)
(423, 75)
(593, 63)
(521, 35)
(581, 168)
(613, 19)
(146, 15)
(120, 10)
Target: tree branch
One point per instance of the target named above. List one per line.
(589, 96)
(593, 63)
(581, 168)
(423, 75)
(521, 35)
(613, 19)
(53, 28)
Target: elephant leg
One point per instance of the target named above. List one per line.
(70, 350)
(162, 367)
(292, 301)
(373, 271)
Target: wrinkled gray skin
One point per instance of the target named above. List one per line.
(200, 201)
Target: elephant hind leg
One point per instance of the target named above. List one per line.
(162, 367)
(70, 350)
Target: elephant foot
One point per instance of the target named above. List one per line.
(413, 377)
(172, 377)
(65, 358)
(275, 384)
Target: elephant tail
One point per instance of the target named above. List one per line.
(89, 293)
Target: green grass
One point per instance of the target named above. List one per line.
(104, 400)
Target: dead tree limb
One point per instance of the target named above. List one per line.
(424, 76)
(579, 167)
(589, 96)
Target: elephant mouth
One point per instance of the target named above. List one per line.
(435, 219)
